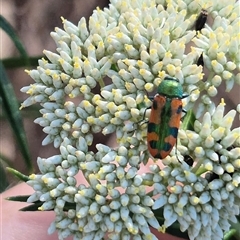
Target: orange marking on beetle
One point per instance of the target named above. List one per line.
(164, 154)
(176, 104)
(157, 106)
(154, 152)
(152, 136)
(170, 139)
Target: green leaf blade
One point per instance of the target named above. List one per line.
(11, 108)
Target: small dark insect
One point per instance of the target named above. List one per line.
(202, 18)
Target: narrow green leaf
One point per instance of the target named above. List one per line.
(37, 204)
(11, 107)
(20, 198)
(23, 198)
(174, 229)
(12, 34)
(19, 62)
(32, 207)
(17, 174)
(188, 121)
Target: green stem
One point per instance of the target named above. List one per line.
(18, 174)
(230, 234)
(101, 83)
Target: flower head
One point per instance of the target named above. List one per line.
(136, 45)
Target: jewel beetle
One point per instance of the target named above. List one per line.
(165, 116)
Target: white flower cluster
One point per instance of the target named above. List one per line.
(203, 204)
(137, 43)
